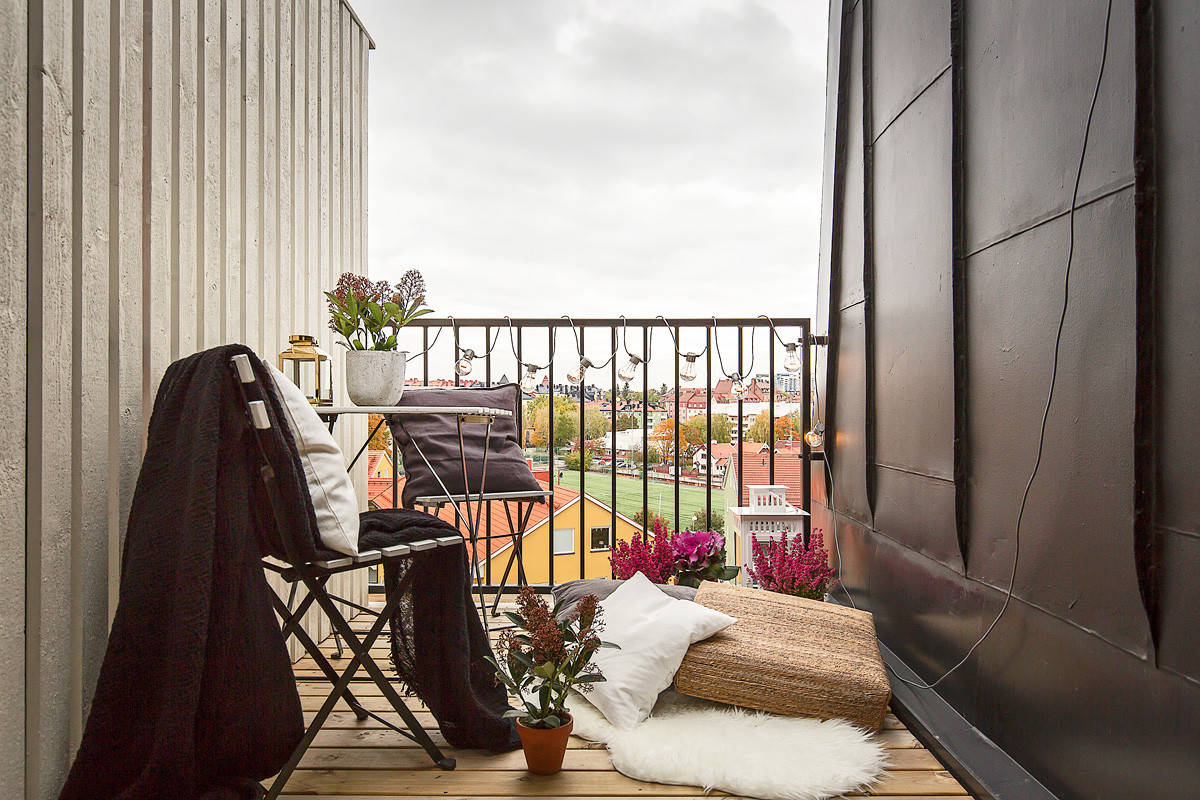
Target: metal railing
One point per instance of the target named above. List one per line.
(532, 345)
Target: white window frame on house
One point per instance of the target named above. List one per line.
(607, 537)
(571, 538)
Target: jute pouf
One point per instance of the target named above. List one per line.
(788, 655)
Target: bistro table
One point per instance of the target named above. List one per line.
(394, 416)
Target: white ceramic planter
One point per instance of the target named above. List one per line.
(375, 377)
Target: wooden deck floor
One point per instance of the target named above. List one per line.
(353, 760)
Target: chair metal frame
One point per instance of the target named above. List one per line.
(314, 576)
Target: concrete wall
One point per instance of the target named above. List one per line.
(176, 175)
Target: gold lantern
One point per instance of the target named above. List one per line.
(308, 366)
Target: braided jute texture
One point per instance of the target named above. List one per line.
(788, 655)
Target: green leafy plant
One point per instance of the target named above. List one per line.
(368, 314)
(544, 657)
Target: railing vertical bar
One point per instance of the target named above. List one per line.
(806, 418)
(550, 445)
(708, 460)
(771, 403)
(487, 525)
(612, 461)
(675, 453)
(741, 475)
(582, 458)
(487, 358)
(457, 353)
(645, 430)
(425, 356)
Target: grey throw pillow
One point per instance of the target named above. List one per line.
(437, 436)
(572, 592)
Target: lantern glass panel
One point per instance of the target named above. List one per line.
(309, 367)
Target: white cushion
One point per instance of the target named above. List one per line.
(333, 497)
(654, 632)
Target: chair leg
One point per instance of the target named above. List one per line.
(293, 628)
(361, 649)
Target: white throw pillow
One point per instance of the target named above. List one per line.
(333, 497)
(654, 632)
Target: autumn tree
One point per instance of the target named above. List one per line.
(537, 421)
(787, 428)
(697, 427)
(596, 423)
(626, 422)
(382, 438)
(663, 437)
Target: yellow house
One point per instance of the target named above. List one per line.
(581, 547)
(594, 546)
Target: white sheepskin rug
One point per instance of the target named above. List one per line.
(693, 742)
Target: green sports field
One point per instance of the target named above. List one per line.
(661, 496)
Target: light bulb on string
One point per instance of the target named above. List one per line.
(816, 436)
(688, 371)
(629, 370)
(576, 375)
(463, 365)
(529, 382)
(791, 362)
(740, 387)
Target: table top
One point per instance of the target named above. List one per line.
(400, 411)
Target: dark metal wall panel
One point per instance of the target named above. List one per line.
(914, 355)
(1178, 345)
(1077, 535)
(1067, 683)
(911, 46)
(829, 173)
(851, 252)
(918, 511)
(847, 451)
(1179, 644)
(1030, 68)
(1052, 696)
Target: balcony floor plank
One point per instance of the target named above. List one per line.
(352, 760)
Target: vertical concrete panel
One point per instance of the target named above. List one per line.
(284, 133)
(51, 681)
(162, 218)
(13, 253)
(249, 176)
(210, 266)
(269, 177)
(188, 255)
(231, 172)
(99, 525)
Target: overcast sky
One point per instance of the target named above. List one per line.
(598, 157)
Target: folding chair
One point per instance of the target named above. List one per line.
(473, 506)
(314, 576)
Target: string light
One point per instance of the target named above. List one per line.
(529, 383)
(816, 436)
(791, 362)
(688, 371)
(740, 388)
(463, 365)
(576, 375)
(629, 370)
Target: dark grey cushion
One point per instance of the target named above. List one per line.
(572, 592)
(437, 436)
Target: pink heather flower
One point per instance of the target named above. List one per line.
(653, 556)
(788, 567)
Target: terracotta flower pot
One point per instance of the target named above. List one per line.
(544, 747)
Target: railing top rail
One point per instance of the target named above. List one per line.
(598, 322)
